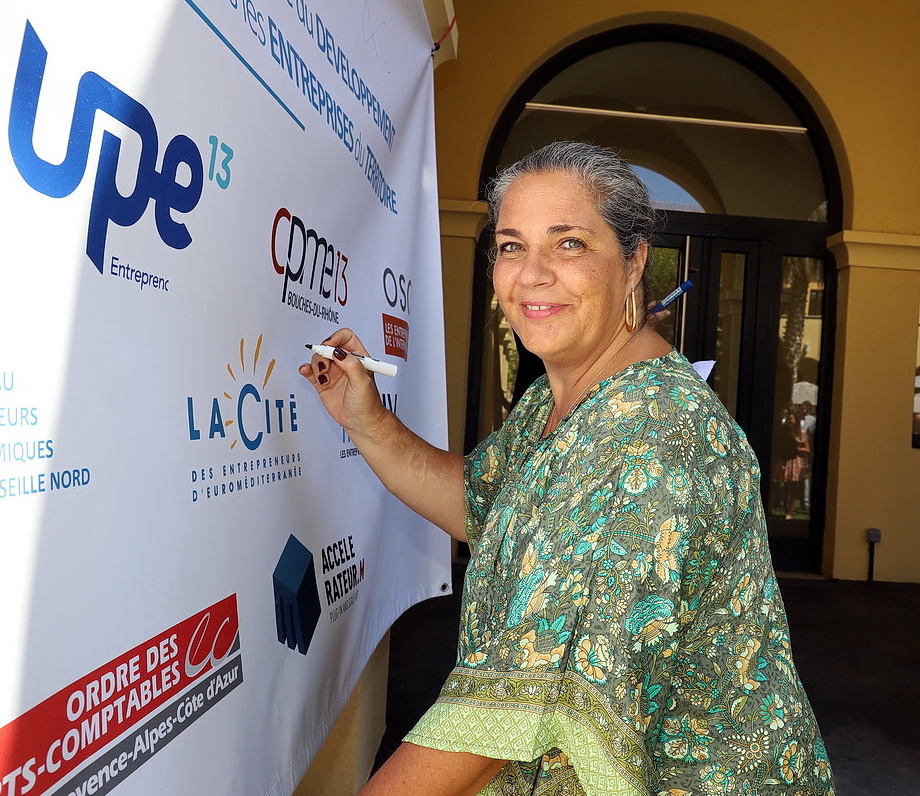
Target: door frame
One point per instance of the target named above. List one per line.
(766, 242)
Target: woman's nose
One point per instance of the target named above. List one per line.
(536, 268)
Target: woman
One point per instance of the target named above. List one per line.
(621, 628)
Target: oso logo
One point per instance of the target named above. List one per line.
(164, 187)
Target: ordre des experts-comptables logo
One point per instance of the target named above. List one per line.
(102, 727)
(181, 159)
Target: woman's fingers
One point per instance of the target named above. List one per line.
(338, 348)
(320, 367)
(345, 387)
(318, 371)
(346, 339)
(343, 342)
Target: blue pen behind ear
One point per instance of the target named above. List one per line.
(671, 297)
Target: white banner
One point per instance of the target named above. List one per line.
(193, 190)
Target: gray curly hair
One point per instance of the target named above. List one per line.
(622, 198)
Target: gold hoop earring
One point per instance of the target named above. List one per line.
(631, 322)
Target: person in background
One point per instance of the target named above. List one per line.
(808, 423)
(793, 449)
(622, 631)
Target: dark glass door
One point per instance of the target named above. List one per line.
(757, 309)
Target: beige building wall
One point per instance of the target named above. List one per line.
(857, 65)
(344, 763)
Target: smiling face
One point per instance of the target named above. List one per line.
(559, 275)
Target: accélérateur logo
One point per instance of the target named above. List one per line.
(299, 603)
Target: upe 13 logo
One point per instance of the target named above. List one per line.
(108, 204)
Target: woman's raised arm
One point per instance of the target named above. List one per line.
(427, 479)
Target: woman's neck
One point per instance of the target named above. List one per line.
(570, 385)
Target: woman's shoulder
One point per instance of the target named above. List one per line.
(665, 391)
(673, 376)
(650, 380)
(672, 367)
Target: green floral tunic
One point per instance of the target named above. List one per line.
(622, 631)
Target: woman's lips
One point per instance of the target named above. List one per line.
(537, 310)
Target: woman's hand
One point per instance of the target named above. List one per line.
(656, 319)
(347, 390)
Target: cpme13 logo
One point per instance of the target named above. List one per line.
(246, 411)
(175, 188)
(315, 270)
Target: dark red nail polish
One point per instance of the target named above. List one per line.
(321, 365)
(322, 379)
(339, 353)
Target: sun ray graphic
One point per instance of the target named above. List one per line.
(255, 364)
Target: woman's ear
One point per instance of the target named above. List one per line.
(636, 266)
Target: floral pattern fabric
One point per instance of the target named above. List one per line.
(621, 630)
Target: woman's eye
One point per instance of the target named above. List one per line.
(573, 244)
(508, 247)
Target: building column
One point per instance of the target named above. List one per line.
(873, 472)
(462, 222)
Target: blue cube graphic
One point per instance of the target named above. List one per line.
(297, 605)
